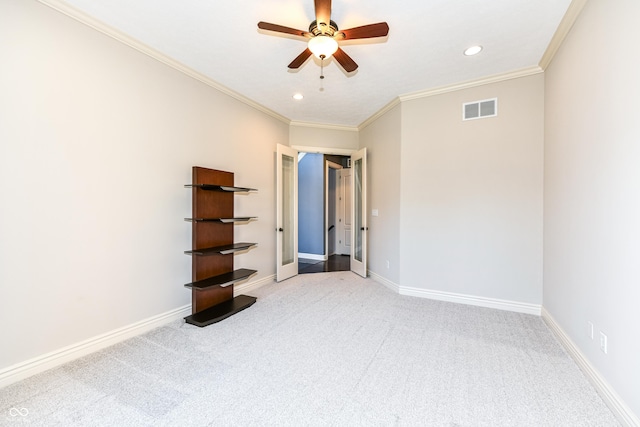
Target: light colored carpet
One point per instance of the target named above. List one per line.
(327, 349)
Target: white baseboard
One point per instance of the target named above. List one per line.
(384, 281)
(314, 257)
(499, 304)
(609, 396)
(50, 360)
(250, 286)
(55, 358)
(518, 307)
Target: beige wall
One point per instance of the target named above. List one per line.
(338, 140)
(592, 190)
(382, 138)
(471, 193)
(96, 143)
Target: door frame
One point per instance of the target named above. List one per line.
(290, 269)
(320, 150)
(328, 165)
(359, 227)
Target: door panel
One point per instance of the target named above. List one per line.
(344, 213)
(287, 212)
(359, 229)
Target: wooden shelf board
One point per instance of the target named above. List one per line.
(220, 311)
(222, 280)
(223, 250)
(227, 188)
(222, 220)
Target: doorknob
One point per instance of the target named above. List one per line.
(280, 229)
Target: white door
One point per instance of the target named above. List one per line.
(359, 227)
(332, 173)
(286, 212)
(343, 245)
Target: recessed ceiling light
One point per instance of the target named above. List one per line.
(298, 96)
(473, 50)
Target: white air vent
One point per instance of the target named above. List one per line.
(480, 109)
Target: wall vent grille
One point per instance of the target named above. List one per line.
(480, 109)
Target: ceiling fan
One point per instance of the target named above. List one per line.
(324, 36)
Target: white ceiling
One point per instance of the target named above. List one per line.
(422, 51)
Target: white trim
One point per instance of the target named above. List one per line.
(97, 25)
(314, 257)
(329, 165)
(384, 281)
(524, 72)
(325, 150)
(608, 394)
(516, 74)
(58, 357)
(324, 126)
(565, 26)
(500, 304)
(251, 286)
(39, 364)
(381, 112)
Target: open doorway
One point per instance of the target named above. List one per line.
(324, 213)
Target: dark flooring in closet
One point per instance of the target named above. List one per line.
(334, 263)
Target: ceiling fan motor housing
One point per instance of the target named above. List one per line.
(323, 29)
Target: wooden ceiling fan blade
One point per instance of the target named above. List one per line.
(345, 61)
(282, 29)
(380, 29)
(323, 12)
(300, 59)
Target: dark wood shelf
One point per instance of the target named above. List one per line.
(213, 248)
(227, 188)
(222, 250)
(222, 280)
(222, 220)
(220, 311)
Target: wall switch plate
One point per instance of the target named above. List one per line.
(603, 342)
(590, 329)
(374, 212)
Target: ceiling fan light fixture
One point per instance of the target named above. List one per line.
(323, 46)
(473, 50)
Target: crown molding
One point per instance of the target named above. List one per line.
(496, 78)
(565, 26)
(323, 126)
(97, 25)
(523, 72)
(393, 103)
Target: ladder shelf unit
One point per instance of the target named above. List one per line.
(213, 248)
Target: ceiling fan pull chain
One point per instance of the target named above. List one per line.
(321, 72)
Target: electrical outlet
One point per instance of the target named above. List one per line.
(590, 329)
(387, 263)
(603, 342)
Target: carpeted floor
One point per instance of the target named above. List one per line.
(326, 349)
